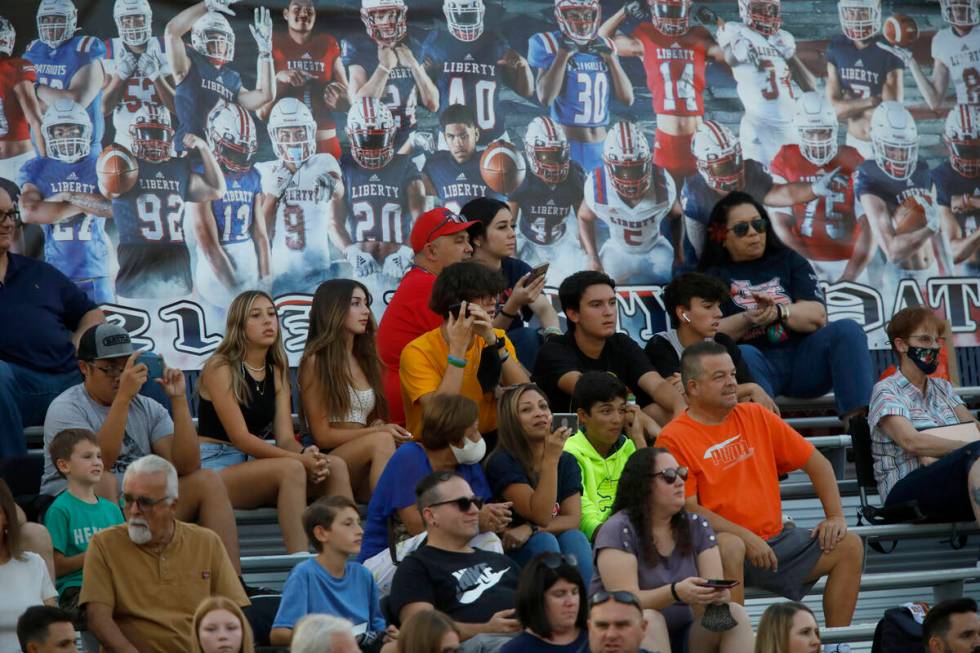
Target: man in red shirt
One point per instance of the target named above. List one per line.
(734, 453)
(308, 68)
(438, 239)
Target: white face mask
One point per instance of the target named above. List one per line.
(471, 453)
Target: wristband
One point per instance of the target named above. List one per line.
(673, 592)
(456, 362)
(512, 316)
(385, 68)
(780, 316)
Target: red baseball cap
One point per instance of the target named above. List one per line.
(434, 223)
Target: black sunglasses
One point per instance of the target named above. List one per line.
(553, 560)
(13, 215)
(145, 503)
(451, 218)
(603, 596)
(463, 503)
(671, 474)
(742, 228)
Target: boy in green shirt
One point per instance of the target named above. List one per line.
(77, 513)
(610, 432)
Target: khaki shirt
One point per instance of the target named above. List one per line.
(154, 596)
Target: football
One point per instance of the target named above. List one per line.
(900, 30)
(117, 170)
(502, 167)
(909, 216)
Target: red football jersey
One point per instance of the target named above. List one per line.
(13, 124)
(315, 57)
(675, 69)
(827, 226)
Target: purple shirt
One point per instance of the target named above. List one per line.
(618, 533)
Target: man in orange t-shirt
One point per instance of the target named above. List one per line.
(735, 453)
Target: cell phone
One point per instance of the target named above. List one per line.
(719, 583)
(154, 365)
(539, 271)
(564, 420)
(454, 309)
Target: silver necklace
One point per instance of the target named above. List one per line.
(254, 369)
(258, 388)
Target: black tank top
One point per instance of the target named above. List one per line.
(258, 414)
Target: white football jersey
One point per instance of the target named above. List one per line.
(766, 92)
(961, 55)
(300, 234)
(636, 228)
(139, 89)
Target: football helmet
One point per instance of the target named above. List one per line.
(859, 19)
(719, 157)
(962, 137)
(67, 131)
(671, 17)
(386, 21)
(292, 131)
(894, 140)
(547, 151)
(231, 136)
(816, 123)
(762, 16)
(152, 133)
(465, 18)
(133, 19)
(628, 160)
(212, 37)
(8, 36)
(960, 13)
(371, 132)
(57, 21)
(578, 19)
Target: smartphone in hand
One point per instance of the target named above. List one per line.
(154, 365)
(719, 583)
(564, 420)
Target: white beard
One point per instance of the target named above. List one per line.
(139, 531)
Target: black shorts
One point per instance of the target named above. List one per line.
(154, 270)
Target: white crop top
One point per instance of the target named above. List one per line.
(361, 405)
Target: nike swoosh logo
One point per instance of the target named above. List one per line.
(486, 582)
(718, 447)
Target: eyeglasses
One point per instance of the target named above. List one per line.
(928, 341)
(671, 474)
(451, 218)
(628, 598)
(144, 503)
(110, 371)
(13, 215)
(553, 560)
(742, 228)
(463, 503)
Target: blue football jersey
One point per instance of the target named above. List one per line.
(377, 202)
(401, 92)
(77, 246)
(871, 180)
(468, 73)
(862, 73)
(200, 90)
(457, 183)
(584, 97)
(152, 212)
(56, 67)
(698, 199)
(948, 183)
(233, 213)
(543, 208)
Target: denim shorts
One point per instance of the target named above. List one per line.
(218, 456)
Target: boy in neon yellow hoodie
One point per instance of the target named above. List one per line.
(608, 436)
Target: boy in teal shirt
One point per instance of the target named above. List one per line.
(610, 432)
(77, 513)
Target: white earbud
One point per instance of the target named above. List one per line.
(686, 318)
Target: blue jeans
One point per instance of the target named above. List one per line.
(218, 456)
(571, 542)
(834, 357)
(24, 398)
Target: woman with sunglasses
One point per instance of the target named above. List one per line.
(530, 468)
(788, 627)
(913, 462)
(777, 312)
(653, 548)
(552, 607)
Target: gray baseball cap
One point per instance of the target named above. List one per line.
(104, 341)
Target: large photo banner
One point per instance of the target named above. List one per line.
(169, 155)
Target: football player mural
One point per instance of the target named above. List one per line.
(171, 155)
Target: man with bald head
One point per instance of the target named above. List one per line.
(42, 316)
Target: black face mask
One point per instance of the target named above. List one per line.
(925, 358)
